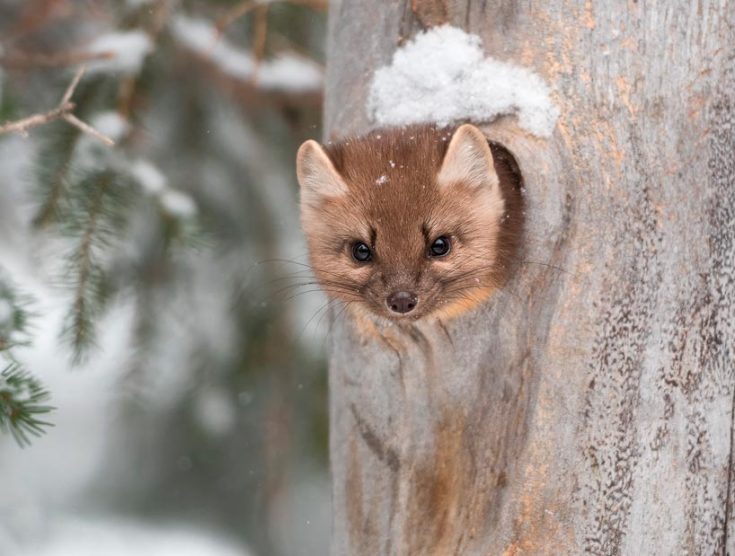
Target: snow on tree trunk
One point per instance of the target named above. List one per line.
(588, 407)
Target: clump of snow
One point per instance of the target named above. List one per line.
(128, 50)
(443, 76)
(201, 36)
(111, 123)
(177, 204)
(215, 411)
(290, 73)
(150, 178)
(153, 181)
(287, 72)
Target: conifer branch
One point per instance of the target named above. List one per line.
(21, 394)
(51, 203)
(81, 328)
(62, 111)
(56, 158)
(21, 403)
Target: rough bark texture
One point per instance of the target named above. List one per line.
(588, 407)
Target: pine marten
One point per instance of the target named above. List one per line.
(412, 222)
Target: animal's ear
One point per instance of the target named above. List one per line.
(316, 174)
(468, 160)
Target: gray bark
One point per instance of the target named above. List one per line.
(588, 407)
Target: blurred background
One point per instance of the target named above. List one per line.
(163, 386)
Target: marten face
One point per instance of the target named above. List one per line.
(404, 223)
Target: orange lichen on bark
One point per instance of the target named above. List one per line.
(695, 106)
(588, 17)
(624, 93)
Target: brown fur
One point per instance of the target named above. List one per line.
(400, 214)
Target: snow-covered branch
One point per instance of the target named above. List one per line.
(288, 73)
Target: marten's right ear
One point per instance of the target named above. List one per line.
(468, 160)
(317, 175)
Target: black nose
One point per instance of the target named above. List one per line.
(402, 302)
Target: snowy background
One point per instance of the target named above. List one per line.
(193, 419)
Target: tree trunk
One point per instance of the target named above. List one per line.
(588, 406)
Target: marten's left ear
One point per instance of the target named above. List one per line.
(468, 160)
(316, 174)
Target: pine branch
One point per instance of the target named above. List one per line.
(87, 273)
(63, 111)
(21, 395)
(50, 205)
(55, 162)
(14, 317)
(21, 402)
(95, 216)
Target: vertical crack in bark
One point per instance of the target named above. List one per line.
(384, 453)
(728, 497)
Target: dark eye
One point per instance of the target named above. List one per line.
(440, 247)
(361, 252)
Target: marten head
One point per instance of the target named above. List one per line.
(409, 222)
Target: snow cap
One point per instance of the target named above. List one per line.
(443, 76)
